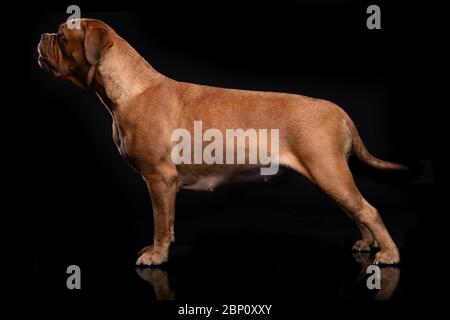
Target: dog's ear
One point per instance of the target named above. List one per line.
(96, 42)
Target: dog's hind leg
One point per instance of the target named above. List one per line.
(332, 175)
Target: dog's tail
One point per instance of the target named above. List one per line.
(360, 151)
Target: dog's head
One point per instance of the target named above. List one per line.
(74, 53)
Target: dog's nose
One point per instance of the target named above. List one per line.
(44, 35)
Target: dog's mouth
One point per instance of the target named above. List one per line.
(44, 64)
(43, 61)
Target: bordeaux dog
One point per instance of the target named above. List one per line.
(315, 136)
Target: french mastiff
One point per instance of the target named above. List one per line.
(316, 136)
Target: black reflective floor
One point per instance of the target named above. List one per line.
(270, 282)
(244, 256)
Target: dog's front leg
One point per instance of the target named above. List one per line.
(163, 189)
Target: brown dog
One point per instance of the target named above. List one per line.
(315, 136)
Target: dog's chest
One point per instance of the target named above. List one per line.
(120, 141)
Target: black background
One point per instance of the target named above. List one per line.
(256, 243)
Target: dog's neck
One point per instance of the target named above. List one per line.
(115, 85)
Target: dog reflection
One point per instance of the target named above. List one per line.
(159, 280)
(390, 276)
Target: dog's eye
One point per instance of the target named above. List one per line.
(61, 37)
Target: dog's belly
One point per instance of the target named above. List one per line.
(201, 179)
(206, 183)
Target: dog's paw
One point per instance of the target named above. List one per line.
(387, 257)
(151, 257)
(144, 249)
(362, 245)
